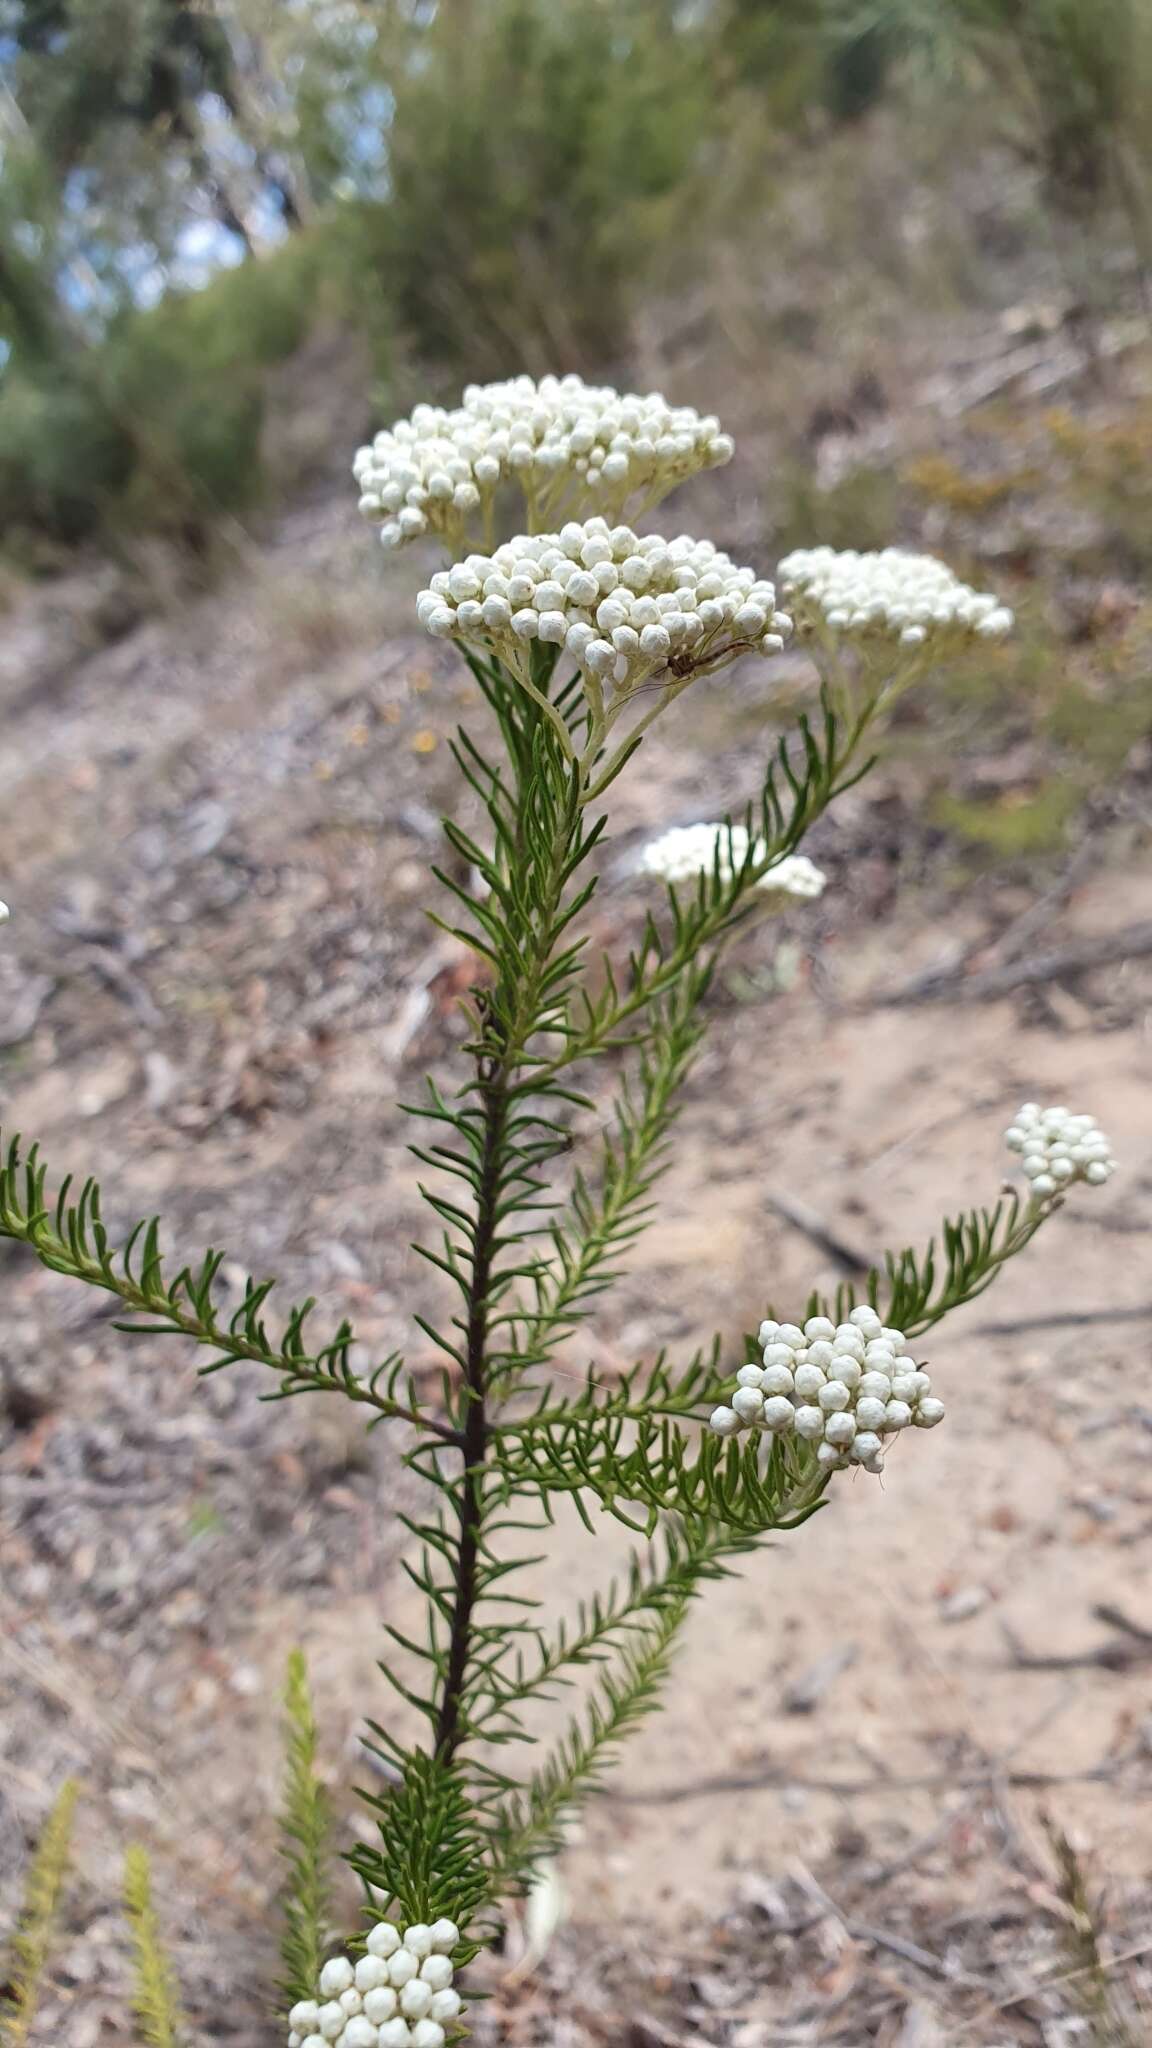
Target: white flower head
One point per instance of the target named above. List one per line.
(5, 913)
(690, 850)
(889, 595)
(625, 609)
(1058, 1147)
(570, 448)
(844, 1389)
(399, 1994)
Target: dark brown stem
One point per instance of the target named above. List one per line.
(475, 1433)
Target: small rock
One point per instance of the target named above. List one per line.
(963, 1603)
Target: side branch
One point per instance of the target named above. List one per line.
(70, 1238)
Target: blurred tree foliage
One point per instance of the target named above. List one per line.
(495, 184)
(525, 202)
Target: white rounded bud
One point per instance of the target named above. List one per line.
(777, 1353)
(446, 2005)
(833, 1396)
(840, 1430)
(928, 1413)
(779, 1415)
(747, 1404)
(337, 1976)
(428, 2034)
(776, 1379)
(380, 2004)
(416, 1999)
(724, 1421)
(402, 1968)
(445, 1937)
(808, 1380)
(876, 1384)
(331, 2020)
(809, 1423)
(359, 2033)
(870, 1412)
(384, 1939)
(436, 1972)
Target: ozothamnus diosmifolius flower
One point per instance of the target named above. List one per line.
(1058, 1147)
(838, 1388)
(399, 1994)
(687, 851)
(579, 628)
(565, 448)
(889, 595)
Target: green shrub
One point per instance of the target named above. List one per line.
(528, 182)
(62, 458)
(158, 425)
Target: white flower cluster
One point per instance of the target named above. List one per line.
(623, 607)
(843, 1388)
(684, 852)
(398, 1995)
(890, 593)
(559, 439)
(1058, 1148)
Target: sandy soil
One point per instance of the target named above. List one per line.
(217, 982)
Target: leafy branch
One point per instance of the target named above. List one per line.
(70, 1237)
(305, 1823)
(429, 1859)
(630, 1452)
(602, 1224)
(918, 1289)
(499, 1694)
(792, 797)
(155, 1998)
(36, 1924)
(530, 1824)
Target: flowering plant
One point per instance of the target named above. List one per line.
(580, 631)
